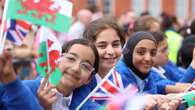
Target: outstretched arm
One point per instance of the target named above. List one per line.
(17, 96)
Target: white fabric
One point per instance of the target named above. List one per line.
(62, 103)
(76, 30)
(98, 78)
(160, 71)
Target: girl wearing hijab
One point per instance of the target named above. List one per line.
(136, 62)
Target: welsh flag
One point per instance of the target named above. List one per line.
(49, 53)
(55, 14)
(189, 98)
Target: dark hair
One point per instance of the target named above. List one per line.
(94, 28)
(158, 36)
(186, 52)
(66, 47)
(168, 21)
(145, 13)
(143, 23)
(129, 48)
(192, 27)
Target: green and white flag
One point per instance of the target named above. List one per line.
(55, 14)
(49, 53)
(189, 98)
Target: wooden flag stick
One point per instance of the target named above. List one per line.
(3, 37)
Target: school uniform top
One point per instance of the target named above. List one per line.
(153, 84)
(172, 72)
(16, 96)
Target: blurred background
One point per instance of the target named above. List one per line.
(184, 9)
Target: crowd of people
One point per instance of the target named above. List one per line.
(155, 55)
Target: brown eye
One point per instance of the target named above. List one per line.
(141, 51)
(101, 45)
(153, 53)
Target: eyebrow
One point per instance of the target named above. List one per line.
(83, 60)
(116, 41)
(140, 48)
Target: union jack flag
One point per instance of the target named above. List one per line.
(16, 30)
(111, 86)
(107, 89)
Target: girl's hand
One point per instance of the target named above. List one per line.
(46, 95)
(7, 73)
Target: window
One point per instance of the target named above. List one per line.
(193, 7)
(107, 6)
(155, 7)
(182, 8)
(137, 6)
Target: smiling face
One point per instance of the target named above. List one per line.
(143, 53)
(75, 66)
(109, 48)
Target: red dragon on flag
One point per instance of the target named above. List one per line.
(42, 8)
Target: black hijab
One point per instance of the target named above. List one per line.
(129, 48)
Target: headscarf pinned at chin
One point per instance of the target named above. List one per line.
(129, 48)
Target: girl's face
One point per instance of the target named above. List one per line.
(161, 57)
(143, 53)
(109, 48)
(76, 66)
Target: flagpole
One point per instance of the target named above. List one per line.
(94, 90)
(3, 37)
(189, 87)
(42, 28)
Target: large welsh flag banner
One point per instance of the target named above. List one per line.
(55, 14)
(49, 54)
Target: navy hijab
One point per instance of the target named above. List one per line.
(129, 48)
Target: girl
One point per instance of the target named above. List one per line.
(77, 67)
(136, 63)
(108, 39)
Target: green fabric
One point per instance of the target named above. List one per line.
(55, 76)
(190, 99)
(42, 70)
(174, 42)
(61, 23)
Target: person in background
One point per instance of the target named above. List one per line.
(126, 22)
(84, 16)
(185, 54)
(166, 68)
(96, 14)
(170, 26)
(147, 23)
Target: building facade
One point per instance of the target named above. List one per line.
(180, 8)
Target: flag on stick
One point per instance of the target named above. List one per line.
(49, 53)
(111, 85)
